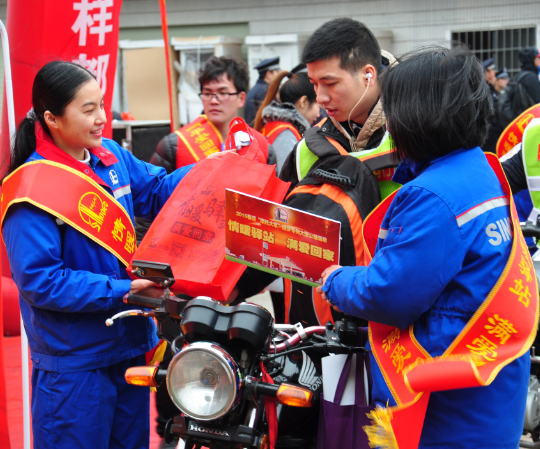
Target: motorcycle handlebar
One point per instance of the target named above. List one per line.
(530, 230)
(295, 339)
(144, 301)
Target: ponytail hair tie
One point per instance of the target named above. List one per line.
(31, 115)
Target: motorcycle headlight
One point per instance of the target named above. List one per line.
(203, 381)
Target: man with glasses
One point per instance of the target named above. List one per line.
(224, 82)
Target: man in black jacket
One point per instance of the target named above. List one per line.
(529, 59)
(343, 60)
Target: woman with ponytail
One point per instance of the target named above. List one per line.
(285, 121)
(69, 201)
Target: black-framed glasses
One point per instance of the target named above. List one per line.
(220, 96)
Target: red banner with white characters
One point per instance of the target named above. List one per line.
(272, 237)
(41, 31)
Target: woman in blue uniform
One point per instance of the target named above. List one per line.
(69, 284)
(440, 250)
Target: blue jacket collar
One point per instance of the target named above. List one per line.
(408, 169)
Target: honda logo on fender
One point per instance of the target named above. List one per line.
(93, 209)
(197, 428)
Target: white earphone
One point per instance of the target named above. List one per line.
(369, 75)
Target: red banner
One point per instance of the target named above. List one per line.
(41, 31)
(271, 237)
(513, 134)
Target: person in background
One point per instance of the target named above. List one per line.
(501, 79)
(435, 264)
(224, 82)
(529, 60)
(268, 70)
(284, 121)
(495, 125)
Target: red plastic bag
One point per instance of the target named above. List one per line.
(189, 232)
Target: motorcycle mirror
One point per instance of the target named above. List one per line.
(160, 273)
(294, 395)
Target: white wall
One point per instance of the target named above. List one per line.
(413, 22)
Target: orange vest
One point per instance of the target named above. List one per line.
(196, 141)
(200, 138)
(273, 129)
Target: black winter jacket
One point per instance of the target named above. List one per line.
(515, 173)
(530, 81)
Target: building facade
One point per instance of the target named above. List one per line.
(492, 28)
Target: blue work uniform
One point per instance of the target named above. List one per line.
(443, 245)
(69, 285)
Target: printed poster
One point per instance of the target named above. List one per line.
(275, 238)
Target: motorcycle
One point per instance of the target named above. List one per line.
(237, 377)
(531, 426)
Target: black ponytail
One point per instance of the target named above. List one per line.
(291, 91)
(55, 86)
(297, 86)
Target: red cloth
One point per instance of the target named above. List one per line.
(189, 232)
(270, 404)
(4, 429)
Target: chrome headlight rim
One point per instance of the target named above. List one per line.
(233, 374)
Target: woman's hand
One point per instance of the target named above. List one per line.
(325, 275)
(140, 284)
(219, 154)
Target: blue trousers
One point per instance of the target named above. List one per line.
(94, 409)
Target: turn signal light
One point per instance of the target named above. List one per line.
(294, 396)
(143, 376)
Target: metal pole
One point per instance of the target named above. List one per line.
(12, 129)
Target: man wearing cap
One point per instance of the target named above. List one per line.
(501, 79)
(495, 128)
(529, 60)
(268, 69)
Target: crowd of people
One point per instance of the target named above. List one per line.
(416, 128)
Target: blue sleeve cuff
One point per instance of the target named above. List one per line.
(119, 288)
(336, 290)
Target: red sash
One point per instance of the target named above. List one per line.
(77, 200)
(196, 141)
(273, 129)
(513, 133)
(500, 331)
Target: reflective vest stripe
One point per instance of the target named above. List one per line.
(321, 307)
(121, 191)
(534, 183)
(486, 206)
(337, 146)
(383, 233)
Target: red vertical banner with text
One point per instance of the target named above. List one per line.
(41, 31)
